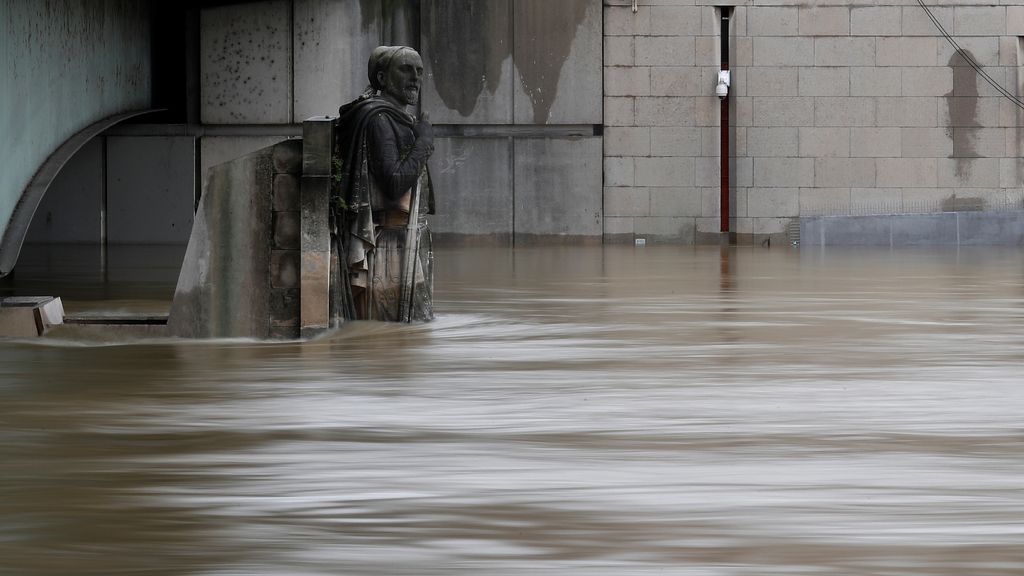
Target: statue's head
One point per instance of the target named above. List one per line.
(397, 72)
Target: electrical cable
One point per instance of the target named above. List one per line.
(970, 60)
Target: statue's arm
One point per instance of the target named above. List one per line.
(397, 169)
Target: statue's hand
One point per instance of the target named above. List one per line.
(424, 130)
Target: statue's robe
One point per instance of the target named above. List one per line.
(382, 163)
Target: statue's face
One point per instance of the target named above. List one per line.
(403, 77)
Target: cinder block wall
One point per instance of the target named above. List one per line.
(855, 107)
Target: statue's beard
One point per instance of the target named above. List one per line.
(408, 95)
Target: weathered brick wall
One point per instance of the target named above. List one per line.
(836, 107)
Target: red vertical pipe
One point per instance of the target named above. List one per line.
(725, 125)
(725, 163)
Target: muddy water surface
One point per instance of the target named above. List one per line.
(615, 411)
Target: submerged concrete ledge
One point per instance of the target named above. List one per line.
(94, 320)
(29, 316)
(936, 229)
(89, 327)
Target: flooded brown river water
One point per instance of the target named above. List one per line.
(582, 411)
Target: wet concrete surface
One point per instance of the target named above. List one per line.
(575, 410)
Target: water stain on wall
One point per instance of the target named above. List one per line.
(400, 24)
(393, 21)
(962, 109)
(466, 41)
(545, 32)
(369, 14)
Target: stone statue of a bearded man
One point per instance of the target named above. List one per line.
(383, 269)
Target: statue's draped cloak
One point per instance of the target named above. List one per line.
(381, 160)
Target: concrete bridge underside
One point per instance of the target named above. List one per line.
(70, 69)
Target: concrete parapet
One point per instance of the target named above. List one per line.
(240, 275)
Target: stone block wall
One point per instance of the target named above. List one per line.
(285, 256)
(845, 108)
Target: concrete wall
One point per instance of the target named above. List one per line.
(277, 62)
(282, 61)
(150, 189)
(332, 41)
(481, 168)
(853, 107)
(509, 78)
(145, 187)
(65, 64)
(490, 66)
(246, 62)
(70, 210)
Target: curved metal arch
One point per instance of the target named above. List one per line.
(32, 195)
